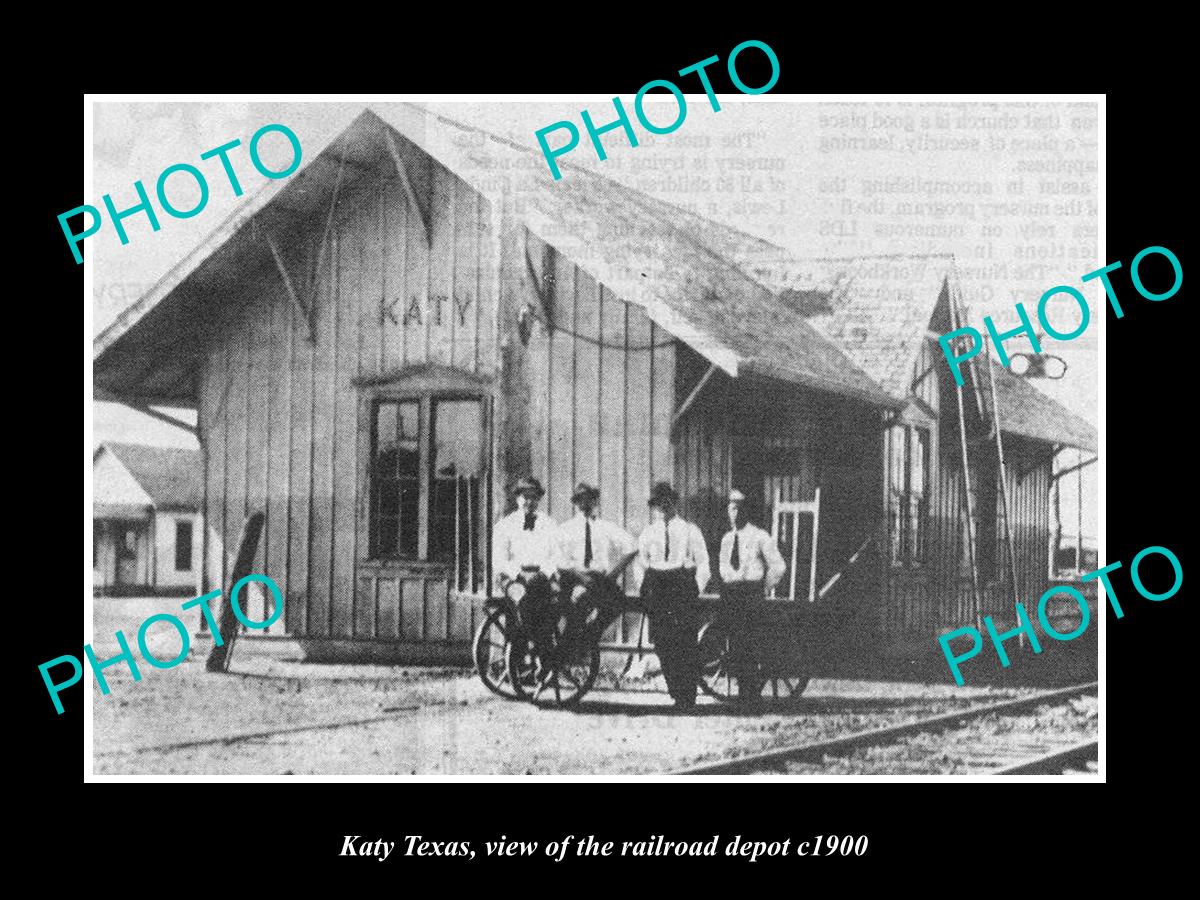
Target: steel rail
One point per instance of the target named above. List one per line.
(777, 756)
(1074, 757)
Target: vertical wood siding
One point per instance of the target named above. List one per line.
(600, 414)
(280, 414)
(918, 606)
(282, 420)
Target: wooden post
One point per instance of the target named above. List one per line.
(812, 574)
(219, 656)
(472, 487)
(1079, 512)
(152, 554)
(1056, 533)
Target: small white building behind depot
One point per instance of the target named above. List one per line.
(146, 525)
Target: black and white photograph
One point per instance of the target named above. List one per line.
(472, 437)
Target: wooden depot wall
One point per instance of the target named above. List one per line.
(280, 416)
(602, 395)
(937, 596)
(285, 420)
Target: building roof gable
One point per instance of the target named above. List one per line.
(169, 476)
(624, 239)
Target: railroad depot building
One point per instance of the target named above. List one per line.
(146, 526)
(379, 346)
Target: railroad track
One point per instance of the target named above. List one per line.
(1019, 754)
(1073, 759)
(387, 714)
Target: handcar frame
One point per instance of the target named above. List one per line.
(771, 631)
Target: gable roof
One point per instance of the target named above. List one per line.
(877, 310)
(642, 250)
(1026, 411)
(171, 476)
(851, 326)
(626, 241)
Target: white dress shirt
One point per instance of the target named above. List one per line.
(687, 548)
(610, 542)
(514, 547)
(758, 556)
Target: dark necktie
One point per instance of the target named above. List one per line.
(667, 541)
(587, 543)
(735, 558)
(530, 518)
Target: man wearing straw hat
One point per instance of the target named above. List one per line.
(675, 558)
(750, 565)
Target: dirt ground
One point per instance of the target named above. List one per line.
(399, 721)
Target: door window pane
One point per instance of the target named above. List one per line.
(432, 484)
(455, 464)
(396, 478)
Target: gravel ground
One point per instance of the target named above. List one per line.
(443, 721)
(987, 743)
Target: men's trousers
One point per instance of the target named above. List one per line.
(536, 607)
(601, 592)
(669, 596)
(737, 610)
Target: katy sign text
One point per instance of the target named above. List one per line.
(438, 309)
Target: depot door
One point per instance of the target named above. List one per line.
(791, 474)
(127, 557)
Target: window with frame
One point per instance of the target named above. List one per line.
(908, 493)
(427, 486)
(183, 546)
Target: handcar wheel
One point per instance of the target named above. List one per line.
(716, 673)
(570, 669)
(784, 687)
(521, 665)
(490, 653)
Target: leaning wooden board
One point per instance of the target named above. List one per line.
(219, 656)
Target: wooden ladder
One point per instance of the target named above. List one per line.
(956, 318)
(968, 491)
(1009, 544)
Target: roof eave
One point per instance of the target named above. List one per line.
(873, 397)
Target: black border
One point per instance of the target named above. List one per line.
(977, 831)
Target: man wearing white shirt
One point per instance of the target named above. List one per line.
(524, 558)
(592, 553)
(750, 565)
(675, 558)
